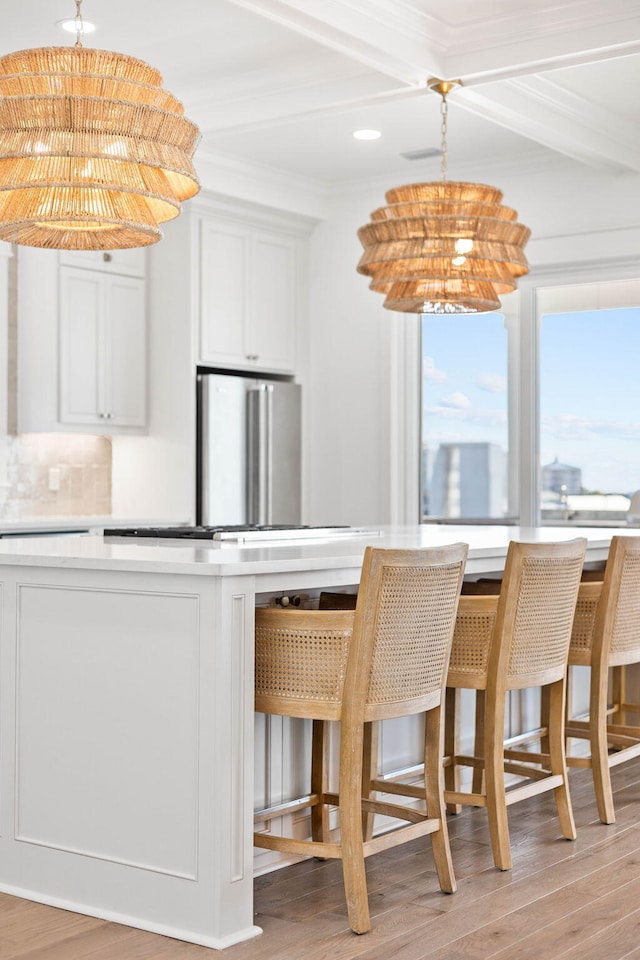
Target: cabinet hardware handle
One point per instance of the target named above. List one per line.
(252, 356)
(107, 257)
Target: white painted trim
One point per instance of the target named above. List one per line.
(218, 943)
(5, 255)
(528, 468)
(238, 734)
(405, 419)
(256, 215)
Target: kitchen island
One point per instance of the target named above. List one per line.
(126, 713)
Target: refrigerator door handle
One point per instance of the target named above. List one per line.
(259, 453)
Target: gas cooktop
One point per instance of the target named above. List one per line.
(237, 532)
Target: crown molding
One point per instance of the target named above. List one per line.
(256, 183)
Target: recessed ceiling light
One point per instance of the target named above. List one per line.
(71, 25)
(367, 134)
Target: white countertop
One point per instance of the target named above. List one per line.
(212, 558)
(61, 524)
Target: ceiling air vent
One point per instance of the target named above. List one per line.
(422, 154)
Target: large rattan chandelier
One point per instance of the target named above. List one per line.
(94, 154)
(443, 247)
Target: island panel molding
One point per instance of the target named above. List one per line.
(107, 719)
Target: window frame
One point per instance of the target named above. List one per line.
(522, 311)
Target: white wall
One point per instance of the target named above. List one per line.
(154, 476)
(348, 382)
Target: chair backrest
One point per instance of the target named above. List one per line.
(535, 612)
(617, 621)
(403, 628)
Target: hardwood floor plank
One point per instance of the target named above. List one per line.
(560, 937)
(561, 900)
(615, 942)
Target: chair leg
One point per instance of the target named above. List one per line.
(599, 746)
(619, 693)
(433, 778)
(353, 869)
(544, 718)
(369, 772)
(495, 787)
(451, 771)
(558, 762)
(320, 812)
(477, 780)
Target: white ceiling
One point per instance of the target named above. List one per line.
(283, 83)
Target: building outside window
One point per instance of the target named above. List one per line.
(465, 433)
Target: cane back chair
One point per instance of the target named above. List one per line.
(606, 637)
(510, 641)
(387, 658)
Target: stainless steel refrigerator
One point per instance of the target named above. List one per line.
(249, 464)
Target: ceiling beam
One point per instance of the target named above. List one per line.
(390, 37)
(542, 110)
(401, 40)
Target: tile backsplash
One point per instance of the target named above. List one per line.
(79, 465)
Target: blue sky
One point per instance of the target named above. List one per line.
(464, 379)
(589, 389)
(590, 395)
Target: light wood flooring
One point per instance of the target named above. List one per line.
(575, 901)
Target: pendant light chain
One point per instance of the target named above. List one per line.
(444, 111)
(79, 22)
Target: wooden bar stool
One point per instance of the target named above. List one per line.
(512, 641)
(388, 658)
(606, 637)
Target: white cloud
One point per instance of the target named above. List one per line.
(488, 418)
(567, 426)
(431, 372)
(457, 400)
(492, 382)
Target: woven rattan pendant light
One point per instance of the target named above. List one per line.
(443, 247)
(94, 154)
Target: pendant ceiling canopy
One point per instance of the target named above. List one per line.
(94, 154)
(443, 247)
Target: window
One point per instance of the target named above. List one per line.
(589, 402)
(465, 429)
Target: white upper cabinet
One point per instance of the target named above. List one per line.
(247, 296)
(82, 343)
(102, 349)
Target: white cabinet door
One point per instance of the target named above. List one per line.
(102, 349)
(224, 280)
(125, 359)
(81, 398)
(272, 324)
(247, 282)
